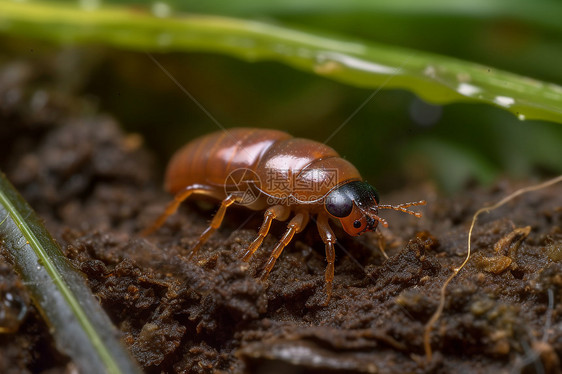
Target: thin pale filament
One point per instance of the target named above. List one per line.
(435, 317)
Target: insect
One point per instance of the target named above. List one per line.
(271, 170)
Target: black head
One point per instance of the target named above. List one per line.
(355, 205)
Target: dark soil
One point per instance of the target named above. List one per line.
(96, 187)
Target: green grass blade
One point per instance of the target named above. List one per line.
(81, 328)
(437, 79)
(544, 13)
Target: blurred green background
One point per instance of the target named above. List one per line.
(390, 134)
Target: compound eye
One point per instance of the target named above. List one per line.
(338, 204)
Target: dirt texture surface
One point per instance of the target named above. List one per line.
(97, 187)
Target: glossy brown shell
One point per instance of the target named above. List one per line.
(302, 169)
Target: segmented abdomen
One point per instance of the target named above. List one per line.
(210, 159)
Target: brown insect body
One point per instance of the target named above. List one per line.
(284, 168)
(283, 175)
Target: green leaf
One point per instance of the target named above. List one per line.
(435, 78)
(80, 327)
(541, 12)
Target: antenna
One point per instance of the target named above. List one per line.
(402, 207)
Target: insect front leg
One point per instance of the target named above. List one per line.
(329, 240)
(279, 212)
(215, 224)
(297, 224)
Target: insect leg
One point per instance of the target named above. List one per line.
(329, 240)
(173, 206)
(297, 224)
(215, 224)
(279, 212)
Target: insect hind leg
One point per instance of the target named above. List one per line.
(215, 224)
(173, 206)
